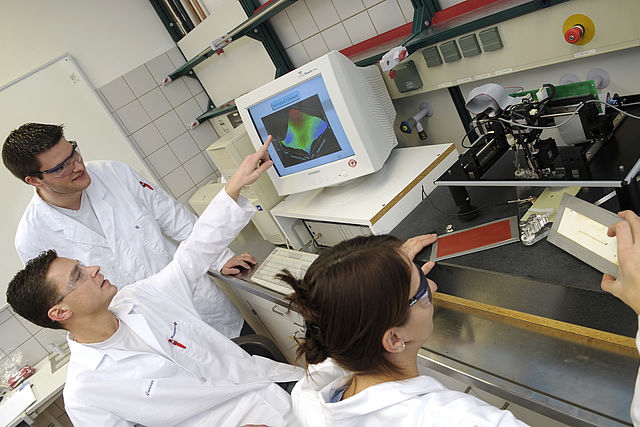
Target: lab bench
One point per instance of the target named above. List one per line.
(534, 317)
(568, 354)
(47, 384)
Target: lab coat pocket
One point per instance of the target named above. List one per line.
(146, 231)
(208, 362)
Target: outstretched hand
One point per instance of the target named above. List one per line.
(249, 170)
(412, 246)
(627, 285)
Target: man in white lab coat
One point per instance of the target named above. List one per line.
(106, 214)
(143, 355)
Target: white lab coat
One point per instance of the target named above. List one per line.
(140, 225)
(211, 382)
(635, 403)
(419, 401)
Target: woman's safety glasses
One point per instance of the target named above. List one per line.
(424, 290)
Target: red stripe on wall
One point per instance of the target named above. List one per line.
(396, 33)
(459, 9)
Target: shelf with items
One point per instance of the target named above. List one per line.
(247, 28)
(255, 27)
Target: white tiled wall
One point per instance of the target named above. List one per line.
(310, 28)
(18, 334)
(156, 120)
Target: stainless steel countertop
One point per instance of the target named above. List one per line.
(573, 379)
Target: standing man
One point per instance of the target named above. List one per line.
(143, 356)
(105, 213)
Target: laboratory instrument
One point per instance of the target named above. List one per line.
(511, 149)
(535, 228)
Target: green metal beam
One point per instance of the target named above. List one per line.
(214, 111)
(423, 13)
(265, 33)
(463, 113)
(167, 20)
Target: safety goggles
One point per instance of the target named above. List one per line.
(424, 290)
(78, 274)
(65, 167)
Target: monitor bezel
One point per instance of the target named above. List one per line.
(335, 123)
(359, 164)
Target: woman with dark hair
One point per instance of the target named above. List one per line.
(367, 311)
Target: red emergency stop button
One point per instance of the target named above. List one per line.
(573, 34)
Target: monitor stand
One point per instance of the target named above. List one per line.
(372, 204)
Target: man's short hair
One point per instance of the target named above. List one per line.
(31, 294)
(23, 145)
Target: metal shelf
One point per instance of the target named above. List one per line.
(214, 111)
(256, 27)
(247, 28)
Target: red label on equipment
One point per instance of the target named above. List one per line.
(474, 238)
(352, 163)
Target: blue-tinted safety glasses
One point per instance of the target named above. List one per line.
(424, 290)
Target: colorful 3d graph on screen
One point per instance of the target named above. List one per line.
(303, 129)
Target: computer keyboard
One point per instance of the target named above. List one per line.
(279, 259)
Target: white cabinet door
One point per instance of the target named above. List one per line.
(248, 313)
(283, 326)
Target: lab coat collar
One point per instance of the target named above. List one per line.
(73, 231)
(51, 216)
(92, 357)
(83, 354)
(318, 383)
(137, 322)
(367, 401)
(104, 212)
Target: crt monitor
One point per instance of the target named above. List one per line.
(331, 122)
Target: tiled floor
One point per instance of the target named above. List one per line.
(55, 410)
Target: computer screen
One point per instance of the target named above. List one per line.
(331, 122)
(305, 128)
